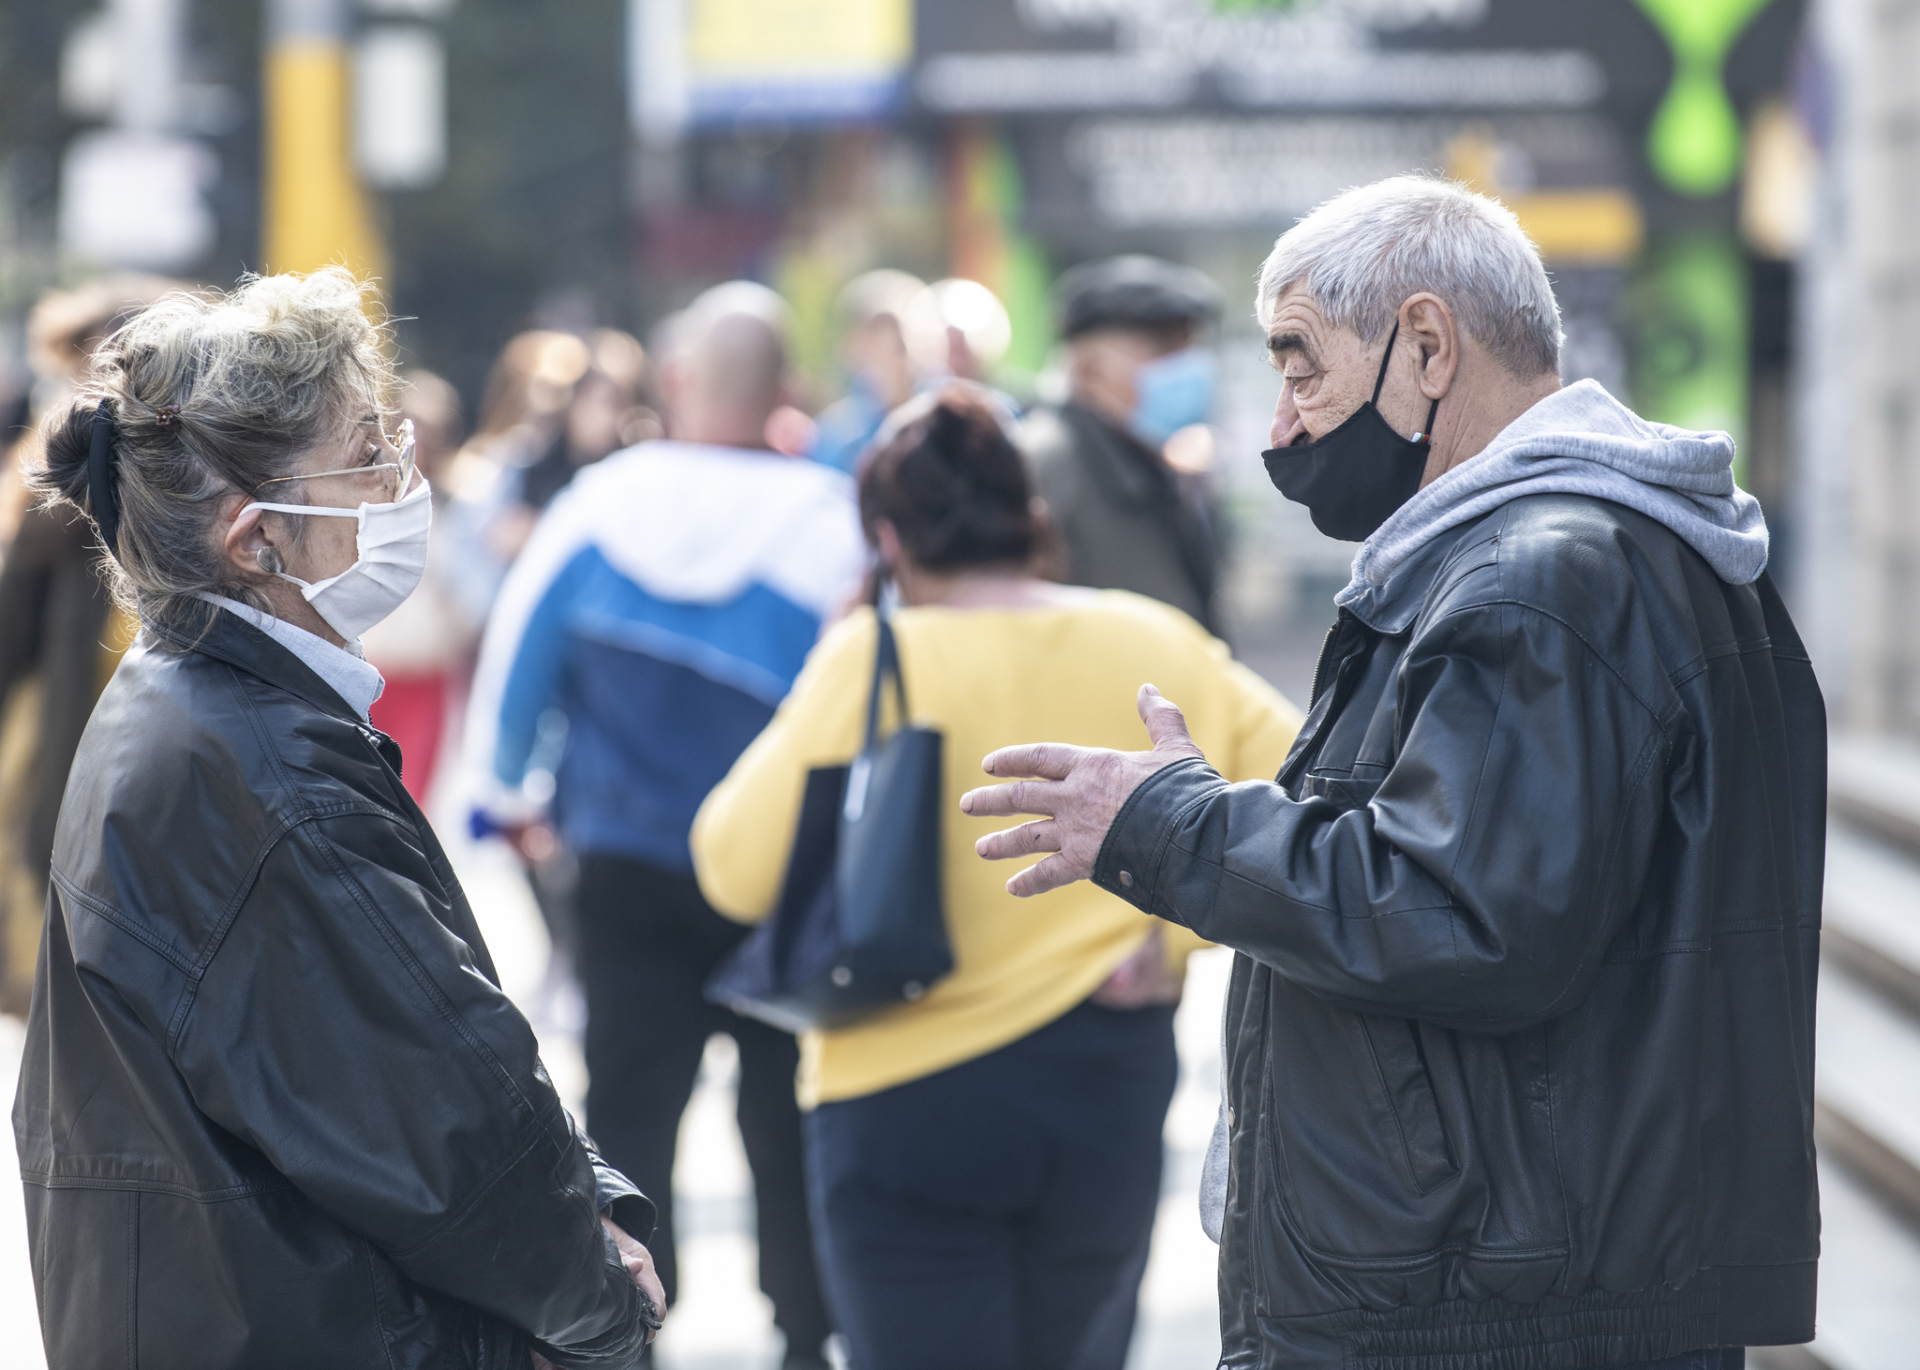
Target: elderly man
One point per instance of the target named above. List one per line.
(1137, 372)
(1520, 1032)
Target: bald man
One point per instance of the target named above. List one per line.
(661, 609)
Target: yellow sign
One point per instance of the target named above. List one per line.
(1584, 226)
(798, 38)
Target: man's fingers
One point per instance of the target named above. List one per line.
(1166, 725)
(1049, 874)
(1048, 760)
(1042, 834)
(1005, 801)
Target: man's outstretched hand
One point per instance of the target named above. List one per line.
(1080, 791)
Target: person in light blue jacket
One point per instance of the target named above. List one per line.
(658, 615)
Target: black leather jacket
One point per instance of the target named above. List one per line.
(274, 1110)
(1520, 1032)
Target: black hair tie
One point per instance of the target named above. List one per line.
(102, 480)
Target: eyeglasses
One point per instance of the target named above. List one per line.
(396, 475)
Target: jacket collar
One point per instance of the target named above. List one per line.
(1391, 606)
(229, 638)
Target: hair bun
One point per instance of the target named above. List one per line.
(67, 436)
(953, 486)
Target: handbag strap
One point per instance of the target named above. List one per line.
(886, 662)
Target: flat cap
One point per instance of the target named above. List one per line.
(1120, 292)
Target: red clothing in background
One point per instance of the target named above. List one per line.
(412, 710)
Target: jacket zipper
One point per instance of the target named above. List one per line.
(1320, 666)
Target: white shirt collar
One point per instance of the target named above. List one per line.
(347, 670)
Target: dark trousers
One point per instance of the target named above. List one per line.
(998, 1213)
(1711, 1358)
(648, 942)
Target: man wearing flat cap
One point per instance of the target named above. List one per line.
(1136, 375)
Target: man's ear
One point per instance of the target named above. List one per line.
(1429, 321)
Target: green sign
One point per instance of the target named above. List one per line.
(1694, 143)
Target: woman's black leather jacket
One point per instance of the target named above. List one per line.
(274, 1110)
(1520, 1032)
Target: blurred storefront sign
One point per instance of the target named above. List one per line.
(1039, 55)
(1249, 65)
(1603, 126)
(700, 64)
(1212, 172)
(1357, 89)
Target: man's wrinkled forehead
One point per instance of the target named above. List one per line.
(1297, 328)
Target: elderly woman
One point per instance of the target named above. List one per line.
(275, 1110)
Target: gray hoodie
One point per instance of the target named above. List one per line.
(1578, 441)
(1582, 441)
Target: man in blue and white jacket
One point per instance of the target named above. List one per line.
(658, 615)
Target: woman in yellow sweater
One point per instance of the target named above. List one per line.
(984, 1163)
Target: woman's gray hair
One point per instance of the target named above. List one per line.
(1360, 255)
(212, 395)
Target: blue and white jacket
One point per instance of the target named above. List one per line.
(661, 609)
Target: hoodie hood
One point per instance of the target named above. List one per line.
(1582, 441)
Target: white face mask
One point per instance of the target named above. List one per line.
(393, 556)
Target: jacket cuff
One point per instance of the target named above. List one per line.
(615, 1196)
(1136, 845)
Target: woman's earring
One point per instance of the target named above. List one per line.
(269, 560)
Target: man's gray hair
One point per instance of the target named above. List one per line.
(1360, 255)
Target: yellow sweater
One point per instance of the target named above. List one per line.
(987, 678)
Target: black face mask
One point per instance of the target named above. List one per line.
(1354, 477)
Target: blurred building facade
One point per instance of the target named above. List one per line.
(1856, 574)
(572, 163)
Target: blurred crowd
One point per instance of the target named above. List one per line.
(622, 591)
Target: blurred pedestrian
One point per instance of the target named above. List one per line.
(274, 1109)
(1137, 373)
(873, 349)
(556, 403)
(59, 634)
(902, 338)
(605, 413)
(1520, 1033)
(660, 612)
(957, 329)
(424, 649)
(985, 1161)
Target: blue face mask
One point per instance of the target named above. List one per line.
(1172, 392)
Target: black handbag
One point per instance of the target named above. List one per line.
(860, 923)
